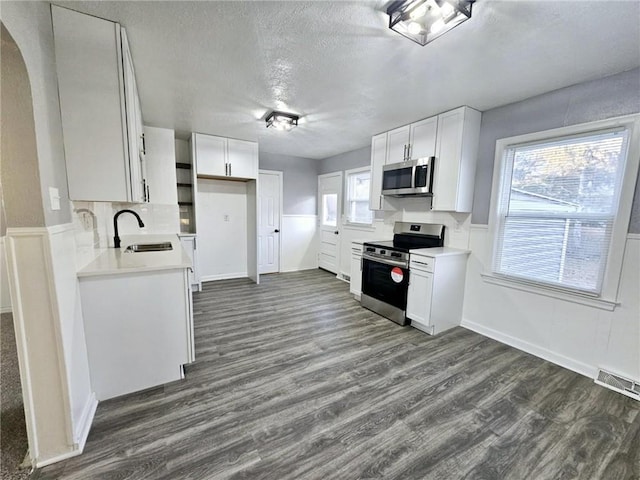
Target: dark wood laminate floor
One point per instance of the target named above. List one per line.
(294, 380)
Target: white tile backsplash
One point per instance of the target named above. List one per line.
(93, 224)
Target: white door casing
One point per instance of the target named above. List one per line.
(269, 220)
(329, 210)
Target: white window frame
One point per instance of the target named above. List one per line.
(608, 297)
(348, 222)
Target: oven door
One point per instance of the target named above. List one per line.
(385, 282)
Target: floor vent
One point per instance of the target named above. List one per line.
(619, 384)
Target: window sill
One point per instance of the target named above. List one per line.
(600, 303)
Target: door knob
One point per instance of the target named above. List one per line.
(276, 231)
(336, 232)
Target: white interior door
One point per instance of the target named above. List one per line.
(329, 208)
(269, 215)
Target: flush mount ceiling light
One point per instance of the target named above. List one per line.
(425, 20)
(281, 120)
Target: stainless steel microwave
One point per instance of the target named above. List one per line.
(413, 177)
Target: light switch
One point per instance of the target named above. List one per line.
(54, 198)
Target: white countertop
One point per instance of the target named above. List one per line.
(438, 251)
(115, 261)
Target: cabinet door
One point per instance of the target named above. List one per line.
(398, 142)
(89, 70)
(134, 126)
(355, 282)
(378, 158)
(419, 298)
(423, 138)
(211, 155)
(242, 158)
(160, 163)
(449, 152)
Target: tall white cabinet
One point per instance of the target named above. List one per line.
(225, 203)
(100, 108)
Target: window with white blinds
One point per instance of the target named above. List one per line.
(557, 205)
(357, 198)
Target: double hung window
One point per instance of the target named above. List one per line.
(358, 185)
(556, 207)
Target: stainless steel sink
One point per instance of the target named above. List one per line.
(149, 247)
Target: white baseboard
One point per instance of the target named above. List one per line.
(58, 458)
(566, 362)
(6, 309)
(299, 269)
(222, 276)
(86, 420)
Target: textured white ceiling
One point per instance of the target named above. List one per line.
(218, 67)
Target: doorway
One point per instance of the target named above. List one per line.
(269, 220)
(329, 209)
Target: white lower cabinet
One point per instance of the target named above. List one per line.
(436, 290)
(355, 275)
(189, 243)
(138, 328)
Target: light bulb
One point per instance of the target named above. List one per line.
(419, 12)
(446, 9)
(437, 26)
(414, 28)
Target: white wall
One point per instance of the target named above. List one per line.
(222, 244)
(299, 245)
(576, 336)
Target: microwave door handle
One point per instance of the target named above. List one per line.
(414, 171)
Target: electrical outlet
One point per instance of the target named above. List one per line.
(226, 218)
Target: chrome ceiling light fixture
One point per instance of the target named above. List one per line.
(425, 20)
(282, 121)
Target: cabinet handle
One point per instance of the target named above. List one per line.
(230, 170)
(148, 194)
(404, 153)
(409, 152)
(144, 145)
(144, 190)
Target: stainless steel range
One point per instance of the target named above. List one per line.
(385, 267)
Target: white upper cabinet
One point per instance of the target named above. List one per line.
(242, 157)
(100, 109)
(160, 162)
(456, 154)
(225, 157)
(378, 160)
(452, 137)
(210, 155)
(398, 144)
(422, 140)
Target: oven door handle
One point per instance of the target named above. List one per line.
(395, 263)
